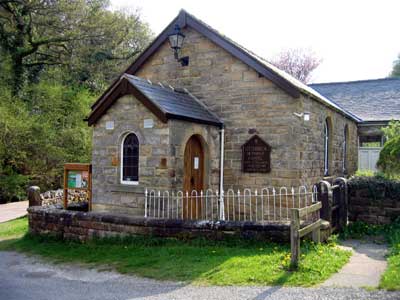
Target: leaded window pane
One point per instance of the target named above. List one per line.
(130, 158)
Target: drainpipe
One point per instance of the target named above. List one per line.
(221, 176)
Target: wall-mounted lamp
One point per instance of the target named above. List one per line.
(304, 115)
(176, 42)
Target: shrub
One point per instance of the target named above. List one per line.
(38, 136)
(12, 186)
(365, 173)
(379, 186)
(389, 158)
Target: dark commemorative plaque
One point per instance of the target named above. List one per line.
(256, 156)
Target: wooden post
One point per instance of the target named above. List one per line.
(346, 204)
(65, 194)
(325, 196)
(342, 195)
(294, 238)
(89, 190)
(316, 235)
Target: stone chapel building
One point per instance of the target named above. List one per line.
(221, 117)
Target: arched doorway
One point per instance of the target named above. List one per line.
(193, 182)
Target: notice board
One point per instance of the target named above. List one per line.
(78, 176)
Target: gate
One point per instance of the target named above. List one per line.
(334, 199)
(368, 157)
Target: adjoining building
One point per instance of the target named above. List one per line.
(376, 102)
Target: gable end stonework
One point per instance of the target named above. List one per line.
(247, 105)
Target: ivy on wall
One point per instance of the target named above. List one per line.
(377, 187)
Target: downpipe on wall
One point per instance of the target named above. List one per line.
(221, 175)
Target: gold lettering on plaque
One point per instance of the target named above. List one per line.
(256, 156)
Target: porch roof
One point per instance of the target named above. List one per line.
(165, 102)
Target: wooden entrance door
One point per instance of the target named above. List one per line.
(193, 177)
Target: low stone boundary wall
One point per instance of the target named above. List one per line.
(74, 225)
(374, 201)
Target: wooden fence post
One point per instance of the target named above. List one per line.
(296, 233)
(294, 238)
(65, 189)
(325, 196)
(342, 202)
(316, 235)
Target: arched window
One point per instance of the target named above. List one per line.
(130, 159)
(326, 147)
(345, 139)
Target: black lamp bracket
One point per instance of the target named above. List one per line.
(184, 61)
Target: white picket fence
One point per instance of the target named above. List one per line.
(259, 205)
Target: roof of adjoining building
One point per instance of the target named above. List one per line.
(370, 100)
(283, 80)
(165, 102)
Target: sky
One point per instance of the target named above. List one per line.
(355, 39)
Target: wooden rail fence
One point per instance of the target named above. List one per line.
(296, 233)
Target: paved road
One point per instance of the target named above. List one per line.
(28, 278)
(13, 210)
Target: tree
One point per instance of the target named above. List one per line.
(299, 63)
(389, 157)
(39, 136)
(40, 33)
(396, 68)
(55, 58)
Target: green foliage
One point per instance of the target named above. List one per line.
(379, 186)
(390, 280)
(389, 158)
(14, 228)
(396, 68)
(198, 261)
(359, 230)
(39, 132)
(365, 173)
(12, 185)
(392, 130)
(55, 59)
(83, 37)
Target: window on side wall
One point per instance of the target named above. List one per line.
(345, 146)
(326, 147)
(130, 159)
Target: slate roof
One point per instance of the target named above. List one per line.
(174, 103)
(370, 100)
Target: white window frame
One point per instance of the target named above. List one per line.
(122, 161)
(345, 138)
(326, 148)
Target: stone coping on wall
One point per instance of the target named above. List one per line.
(87, 225)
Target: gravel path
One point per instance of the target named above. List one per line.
(13, 210)
(29, 278)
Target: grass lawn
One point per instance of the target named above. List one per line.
(13, 229)
(390, 280)
(230, 262)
